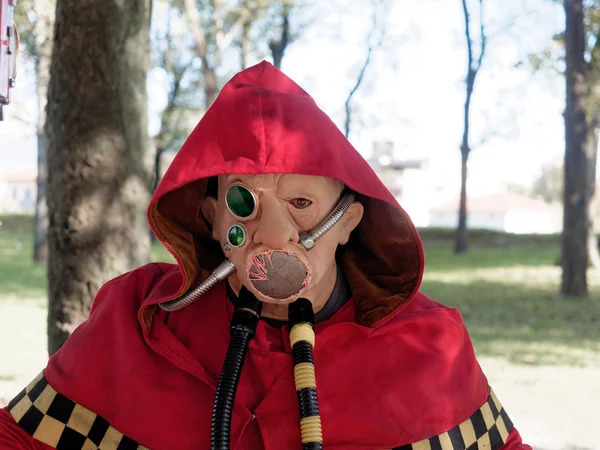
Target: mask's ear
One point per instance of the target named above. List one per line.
(209, 212)
(350, 221)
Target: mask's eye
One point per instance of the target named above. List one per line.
(300, 203)
(240, 201)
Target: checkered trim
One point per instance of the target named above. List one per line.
(61, 423)
(487, 429)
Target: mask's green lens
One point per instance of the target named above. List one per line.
(240, 201)
(236, 236)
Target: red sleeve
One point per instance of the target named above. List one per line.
(13, 437)
(514, 442)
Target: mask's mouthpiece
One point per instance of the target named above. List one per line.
(278, 274)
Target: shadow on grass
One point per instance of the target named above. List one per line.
(490, 238)
(21, 278)
(440, 256)
(521, 319)
(524, 323)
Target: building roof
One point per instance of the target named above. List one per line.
(26, 175)
(498, 203)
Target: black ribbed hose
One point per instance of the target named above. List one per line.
(242, 329)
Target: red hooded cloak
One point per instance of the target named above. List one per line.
(395, 369)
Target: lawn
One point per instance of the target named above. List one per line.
(23, 300)
(506, 288)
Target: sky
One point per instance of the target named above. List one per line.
(413, 92)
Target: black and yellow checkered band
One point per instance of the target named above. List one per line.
(61, 423)
(488, 428)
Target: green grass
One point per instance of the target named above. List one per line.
(23, 290)
(20, 278)
(505, 287)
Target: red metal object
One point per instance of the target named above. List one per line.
(8, 51)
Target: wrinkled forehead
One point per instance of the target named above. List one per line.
(286, 184)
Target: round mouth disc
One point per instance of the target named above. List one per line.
(278, 274)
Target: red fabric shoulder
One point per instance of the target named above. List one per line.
(110, 332)
(433, 375)
(13, 437)
(514, 442)
(453, 379)
(131, 287)
(422, 302)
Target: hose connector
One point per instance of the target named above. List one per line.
(247, 313)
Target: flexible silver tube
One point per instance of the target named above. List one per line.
(226, 268)
(309, 239)
(222, 271)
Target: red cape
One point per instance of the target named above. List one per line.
(393, 367)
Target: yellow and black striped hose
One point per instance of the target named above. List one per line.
(302, 340)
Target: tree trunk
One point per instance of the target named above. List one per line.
(473, 66)
(575, 217)
(462, 234)
(361, 74)
(592, 156)
(40, 230)
(278, 47)
(157, 167)
(245, 44)
(157, 171)
(99, 161)
(211, 87)
(42, 32)
(462, 237)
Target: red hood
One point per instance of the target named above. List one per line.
(263, 122)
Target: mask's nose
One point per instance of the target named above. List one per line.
(275, 229)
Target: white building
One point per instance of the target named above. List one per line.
(508, 212)
(18, 191)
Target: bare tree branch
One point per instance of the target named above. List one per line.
(178, 76)
(29, 123)
(168, 37)
(245, 46)
(472, 70)
(468, 35)
(482, 37)
(227, 39)
(195, 23)
(278, 47)
(217, 15)
(361, 74)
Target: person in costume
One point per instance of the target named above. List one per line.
(292, 319)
